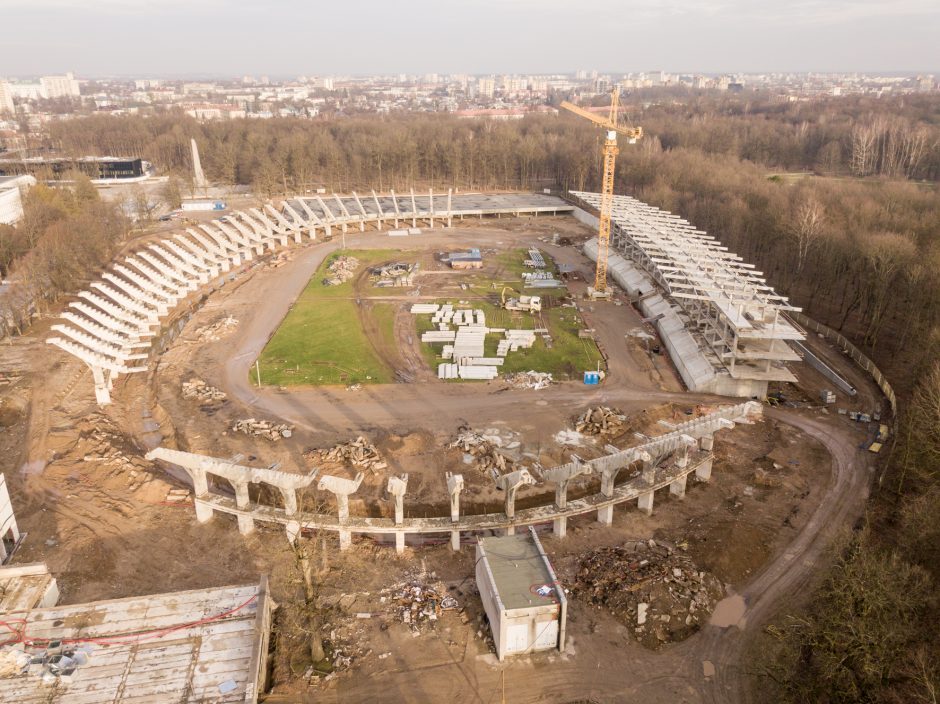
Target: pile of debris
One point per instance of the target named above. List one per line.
(529, 380)
(341, 269)
(263, 428)
(358, 453)
(103, 443)
(217, 330)
(198, 389)
(601, 420)
(483, 450)
(418, 604)
(658, 591)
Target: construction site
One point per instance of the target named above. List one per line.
(420, 447)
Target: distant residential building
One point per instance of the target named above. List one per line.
(6, 98)
(486, 87)
(60, 86)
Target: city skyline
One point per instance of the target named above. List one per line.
(229, 38)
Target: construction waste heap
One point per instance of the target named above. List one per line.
(482, 451)
(358, 453)
(341, 269)
(600, 421)
(651, 587)
(263, 429)
(200, 391)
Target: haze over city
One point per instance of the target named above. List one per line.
(289, 37)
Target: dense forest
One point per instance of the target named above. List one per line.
(855, 241)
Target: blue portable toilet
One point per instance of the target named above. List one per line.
(592, 378)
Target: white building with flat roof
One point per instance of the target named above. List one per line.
(60, 86)
(6, 99)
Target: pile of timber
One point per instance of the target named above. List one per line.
(487, 456)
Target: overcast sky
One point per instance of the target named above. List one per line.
(313, 37)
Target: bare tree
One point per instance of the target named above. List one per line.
(806, 229)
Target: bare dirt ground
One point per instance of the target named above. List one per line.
(97, 512)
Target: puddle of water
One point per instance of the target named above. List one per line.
(729, 612)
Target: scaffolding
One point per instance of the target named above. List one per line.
(736, 318)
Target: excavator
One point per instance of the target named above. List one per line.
(610, 152)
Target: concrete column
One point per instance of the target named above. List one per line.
(341, 488)
(645, 503)
(397, 486)
(677, 488)
(203, 512)
(605, 514)
(102, 388)
(454, 487)
(293, 530)
(246, 524)
(704, 471)
(290, 500)
(707, 443)
(414, 210)
(450, 211)
(431, 206)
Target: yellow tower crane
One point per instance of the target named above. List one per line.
(607, 191)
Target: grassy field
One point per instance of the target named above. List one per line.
(321, 340)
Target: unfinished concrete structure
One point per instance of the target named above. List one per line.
(524, 602)
(111, 325)
(205, 645)
(9, 532)
(724, 327)
(25, 587)
(666, 462)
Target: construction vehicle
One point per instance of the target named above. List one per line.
(530, 304)
(610, 151)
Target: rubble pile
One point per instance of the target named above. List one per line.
(217, 330)
(601, 420)
(103, 443)
(358, 453)
(483, 450)
(341, 269)
(199, 390)
(263, 428)
(418, 604)
(651, 587)
(529, 380)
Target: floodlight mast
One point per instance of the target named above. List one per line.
(610, 152)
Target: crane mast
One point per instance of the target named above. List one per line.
(610, 152)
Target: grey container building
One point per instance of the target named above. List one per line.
(523, 600)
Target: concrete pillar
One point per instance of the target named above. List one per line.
(450, 211)
(290, 500)
(431, 206)
(341, 488)
(200, 482)
(293, 530)
(454, 487)
(645, 503)
(203, 512)
(246, 524)
(414, 210)
(677, 488)
(704, 471)
(649, 472)
(605, 514)
(560, 526)
(397, 486)
(707, 443)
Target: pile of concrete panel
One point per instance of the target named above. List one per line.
(469, 342)
(467, 371)
(424, 308)
(432, 336)
(515, 340)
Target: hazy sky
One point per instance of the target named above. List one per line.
(311, 37)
